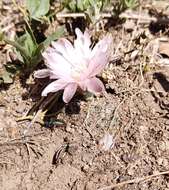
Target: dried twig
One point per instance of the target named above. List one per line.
(136, 180)
(132, 15)
(75, 15)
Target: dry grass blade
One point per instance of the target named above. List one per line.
(136, 180)
(135, 16)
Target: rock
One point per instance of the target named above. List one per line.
(129, 25)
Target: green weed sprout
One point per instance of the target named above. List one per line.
(122, 5)
(91, 8)
(27, 49)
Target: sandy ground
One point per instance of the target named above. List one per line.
(64, 152)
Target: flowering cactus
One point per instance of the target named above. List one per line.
(75, 66)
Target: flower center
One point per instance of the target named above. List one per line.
(78, 71)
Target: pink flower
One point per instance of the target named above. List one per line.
(75, 66)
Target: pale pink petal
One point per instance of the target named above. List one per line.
(103, 45)
(71, 55)
(58, 65)
(49, 50)
(69, 92)
(82, 43)
(64, 47)
(95, 85)
(83, 39)
(106, 142)
(54, 58)
(87, 38)
(97, 64)
(100, 56)
(54, 87)
(82, 85)
(53, 75)
(75, 66)
(43, 73)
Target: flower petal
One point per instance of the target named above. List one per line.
(82, 43)
(100, 56)
(64, 47)
(103, 45)
(84, 39)
(87, 38)
(97, 64)
(43, 73)
(95, 85)
(57, 64)
(106, 142)
(54, 87)
(82, 85)
(69, 92)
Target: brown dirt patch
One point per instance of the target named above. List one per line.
(135, 112)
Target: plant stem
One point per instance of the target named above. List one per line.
(26, 21)
(19, 47)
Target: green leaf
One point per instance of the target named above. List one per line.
(37, 57)
(131, 3)
(28, 51)
(54, 36)
(19, 47)
(29, 44)
(38, 8)
(80, 5)
(72, 5)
